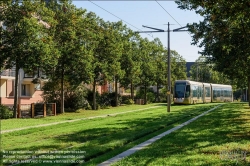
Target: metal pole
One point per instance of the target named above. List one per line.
(169, 73)
(169, 59)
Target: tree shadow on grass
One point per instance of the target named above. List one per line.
(202, 142)
(123, 130)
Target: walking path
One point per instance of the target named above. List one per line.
(74, 120)
(150, 141)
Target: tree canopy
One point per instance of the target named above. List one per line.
(223, 35)
(74, 47)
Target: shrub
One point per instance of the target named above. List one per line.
(127, 100)
(74, 97)
(106, 100)
(5, 112)
(150, 94)
(112, 98)
(90, 99)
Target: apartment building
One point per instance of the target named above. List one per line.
(27, 91)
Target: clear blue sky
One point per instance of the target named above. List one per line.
(137, 13)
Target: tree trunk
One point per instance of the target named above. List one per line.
(116, 92)
(132, 90)
(145, 94)
(248, 96)
(16, 92)
(157, 93)
(62, 91)
(94, 95)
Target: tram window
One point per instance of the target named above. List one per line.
(214, 93)
(187, 94)
(207, 91)
(180, 90)
(194, 89)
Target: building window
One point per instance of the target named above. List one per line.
(25, 90)
(11, 88)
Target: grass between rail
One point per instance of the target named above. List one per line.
(221, 137)
(100, 138)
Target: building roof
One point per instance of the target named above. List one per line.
(188, 65)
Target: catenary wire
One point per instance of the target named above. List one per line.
(168, 13)
(118, 17)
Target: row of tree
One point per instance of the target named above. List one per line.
(202, 71)
(224, 36)
(74, 46)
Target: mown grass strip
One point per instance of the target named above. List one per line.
(101, 138)
(7, 124)
(73, 120)
(150, 141)
(219, 138)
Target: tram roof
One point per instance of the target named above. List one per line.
(206, 84)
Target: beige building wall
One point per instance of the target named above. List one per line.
(2, 88)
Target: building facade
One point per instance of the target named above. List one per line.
(27, 91)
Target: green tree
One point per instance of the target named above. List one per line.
(131, 62)
(147, 75)
(160, 64)
(202, 71)
(178, 68)
(25, 42)
(74, 40)
(107, 53)
(113, 51)
(224, 35)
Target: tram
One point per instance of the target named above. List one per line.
(191, 92)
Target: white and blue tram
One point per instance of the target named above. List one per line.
(191, 92)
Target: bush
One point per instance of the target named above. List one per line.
(90, 99)
(112, 98)
(127, 100)
(150, 94)
(5, 112)
(104, 100)
(108, 99)
(74, 97)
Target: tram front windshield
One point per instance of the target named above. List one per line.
(180, 90)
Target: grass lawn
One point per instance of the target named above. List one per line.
(221, 137)
(7, 124)
(100, 138)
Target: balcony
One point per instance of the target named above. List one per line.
(32, 75)
(8, 74)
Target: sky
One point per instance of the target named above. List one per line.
(151, 13)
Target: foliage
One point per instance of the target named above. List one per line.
(151, 96)
(75, 44)
(202, 71)
(108, 99)
(25, 42)
(90, 99)
(5, 112)
(163, 95)
(75, 98)
(223, 35)
(130, 62)
(127, 100)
